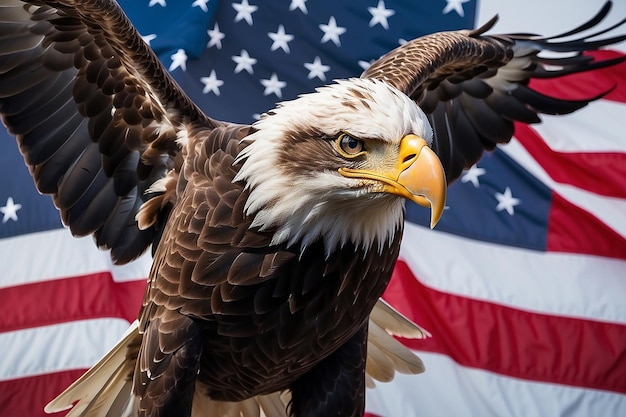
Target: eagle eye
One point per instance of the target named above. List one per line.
(349, 146)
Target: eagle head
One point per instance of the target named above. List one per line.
(338, 163)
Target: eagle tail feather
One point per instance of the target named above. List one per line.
(274, 405)
(105, 389)
(385, 355)
(269, 405)
(395, 323)
(203, 406)
(389, 355)
(378, 366)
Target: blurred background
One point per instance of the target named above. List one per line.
(522, 284)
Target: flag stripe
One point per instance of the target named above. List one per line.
(609, 211)
(447, 389)
(527, 288)
(587, 130)
(51, 261)
(513, 342)
(40, 388)
(46, 349)
(575, 230)
(589, 84)
(511, 276)
(53, 302)
(599, 172)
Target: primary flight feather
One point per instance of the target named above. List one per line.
(272, 242)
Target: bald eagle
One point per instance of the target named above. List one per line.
(272, 242)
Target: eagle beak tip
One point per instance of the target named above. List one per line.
(425, 179)
(436, 212)
(435, 204)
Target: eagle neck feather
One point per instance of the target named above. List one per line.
(301, 220)
(291, 169)
(299, 210)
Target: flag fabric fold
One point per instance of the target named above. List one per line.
(521, 284)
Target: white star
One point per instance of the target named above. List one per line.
(211, 83)
(332, 31)
(244, 62)
(472, 174)
(365, 64)
(380, 15)
(506, 201)
(298, 4)
(149, 38)
(281, 39)
(10, 210)
(215, 37)
(201, 4)
(159, 2)
(244, 11)
(273, 86)
(317, 69)
(179, 59)
(456, 5)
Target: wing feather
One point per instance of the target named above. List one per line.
(483, 79)
(542, 103)
(87, 100)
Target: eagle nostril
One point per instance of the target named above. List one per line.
(408, 158)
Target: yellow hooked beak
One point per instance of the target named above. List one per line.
(417, 175)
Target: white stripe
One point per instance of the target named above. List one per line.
(53, 254)
(611, 211)
(72, 345)
(553, 283)
(587, 130)
(448, 389)
(548, 17)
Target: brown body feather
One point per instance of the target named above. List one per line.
(267, 314)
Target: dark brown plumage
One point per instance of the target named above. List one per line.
(272, 242)
(472, 105)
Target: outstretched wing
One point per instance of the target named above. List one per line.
(474, 86)
(95, 114)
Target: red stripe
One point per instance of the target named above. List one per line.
(599, 172)
(574, 230)
(513, 342)
(588, 84)
(27, 396)
(69, 299)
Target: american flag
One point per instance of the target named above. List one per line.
(522, 284)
